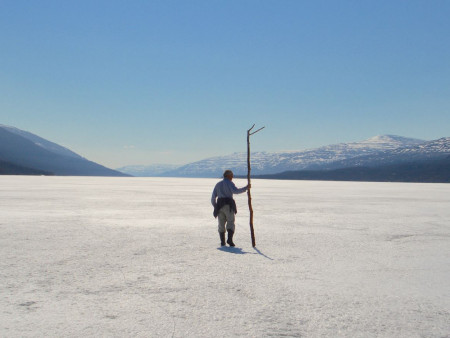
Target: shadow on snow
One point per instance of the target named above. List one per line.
(233, 250)
(240, 251)
(260, 253)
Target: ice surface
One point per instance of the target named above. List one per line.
(140, 257)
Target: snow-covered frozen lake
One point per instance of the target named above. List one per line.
(128, 257)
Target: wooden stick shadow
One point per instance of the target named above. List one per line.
(240, 251)
(260, 253)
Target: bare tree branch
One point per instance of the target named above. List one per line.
(256, 131)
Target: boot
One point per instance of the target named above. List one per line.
(230, 238)
(222, 238)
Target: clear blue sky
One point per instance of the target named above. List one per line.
(142, 82)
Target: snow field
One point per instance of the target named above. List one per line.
(84, 256)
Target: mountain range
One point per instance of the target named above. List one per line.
(24, 153)
(334, 156)
(380, 158)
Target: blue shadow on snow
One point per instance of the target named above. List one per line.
(240, 251)
(233, 250)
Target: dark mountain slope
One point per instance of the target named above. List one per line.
(23, 152)
(431, 171)
(41, 142)
(8, 168)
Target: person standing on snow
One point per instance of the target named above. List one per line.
(225, 206)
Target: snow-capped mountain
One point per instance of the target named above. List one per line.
(276, 162)
(435, 149)
(439, 146)
(22, 152)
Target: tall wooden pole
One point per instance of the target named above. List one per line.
(252, 231)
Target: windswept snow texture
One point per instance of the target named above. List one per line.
(128, 257)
